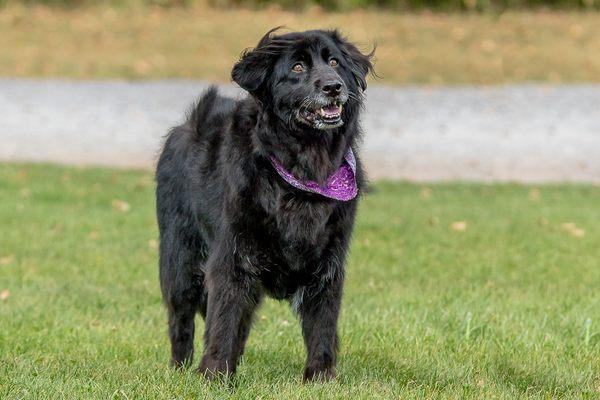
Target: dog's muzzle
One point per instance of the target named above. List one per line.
(320, 116)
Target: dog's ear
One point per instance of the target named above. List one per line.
(250, 72)
(360, 64)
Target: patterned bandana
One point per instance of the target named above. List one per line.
(341, 185)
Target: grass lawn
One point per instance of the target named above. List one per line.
(203, 42)
(454, 290)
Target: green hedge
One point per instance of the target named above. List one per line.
(116, 3)
(444, 5)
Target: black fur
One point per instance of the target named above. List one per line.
(232, 230)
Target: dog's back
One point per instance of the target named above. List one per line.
(187, 187)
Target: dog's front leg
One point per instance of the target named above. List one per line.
(319, 315)
(233, 295)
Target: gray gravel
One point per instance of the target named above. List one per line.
(514, 133)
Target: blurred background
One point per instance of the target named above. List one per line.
(473, 271)
(478, 90)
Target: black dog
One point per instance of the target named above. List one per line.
(247, 200)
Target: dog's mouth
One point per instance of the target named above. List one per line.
(326, 117)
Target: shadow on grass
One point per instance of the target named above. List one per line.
(285, 367)
(361, 366)
(364, 366)
(532, 382)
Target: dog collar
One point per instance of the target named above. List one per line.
(341, 185)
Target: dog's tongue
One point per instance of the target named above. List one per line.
(331, 109)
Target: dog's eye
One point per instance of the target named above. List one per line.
(298, 68)
(333, 62)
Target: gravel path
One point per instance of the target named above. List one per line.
(514, 133)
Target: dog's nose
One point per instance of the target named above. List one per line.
(332, 88)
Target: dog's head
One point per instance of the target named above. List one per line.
(312, 79)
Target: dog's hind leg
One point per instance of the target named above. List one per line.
(182, 285)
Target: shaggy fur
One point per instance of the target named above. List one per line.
(231, 229)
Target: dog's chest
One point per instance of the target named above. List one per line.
(298, 229)
(291, 265)
(300, 219)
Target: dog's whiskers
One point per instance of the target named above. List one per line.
(355, 96)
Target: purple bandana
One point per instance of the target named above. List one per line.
(341, 185)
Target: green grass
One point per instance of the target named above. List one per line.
(508, 307)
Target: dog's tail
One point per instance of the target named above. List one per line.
(202, 109)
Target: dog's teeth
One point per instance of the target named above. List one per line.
(328, 116)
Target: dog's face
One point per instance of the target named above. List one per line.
(310, 80)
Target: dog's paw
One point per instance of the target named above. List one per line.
(213, 369)
(180, 364)
(318, 374)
